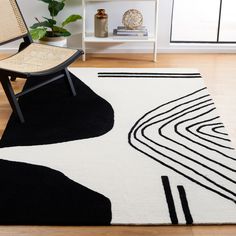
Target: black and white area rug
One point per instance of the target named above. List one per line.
(158, 154)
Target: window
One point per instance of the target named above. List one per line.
(228, 21)
(203, 21)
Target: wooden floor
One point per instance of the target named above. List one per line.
(219, 71)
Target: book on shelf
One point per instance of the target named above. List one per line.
(130, 38)
(121, 31)
(115, 33)
(124, 28)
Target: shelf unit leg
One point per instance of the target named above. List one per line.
(84, 55)
(155, 52)
(84, 30)
(156, 31)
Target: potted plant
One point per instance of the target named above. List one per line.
(48, 31)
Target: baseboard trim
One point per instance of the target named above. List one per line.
(8, 50)
(147, 50)
(171, 49)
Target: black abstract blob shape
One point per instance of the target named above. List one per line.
(37, 195)
(53, 115)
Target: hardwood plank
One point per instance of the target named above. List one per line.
(118, 230)
(216, 230)
(96, 231)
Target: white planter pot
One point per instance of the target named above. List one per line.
(54, 41)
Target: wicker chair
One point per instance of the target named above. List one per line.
(32, 60)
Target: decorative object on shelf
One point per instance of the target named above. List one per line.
(132, 19)
(138, 33)
(101, 24)
(47, 31)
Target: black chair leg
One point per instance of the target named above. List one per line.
(13, 78)
(70, 82)
(12, 98)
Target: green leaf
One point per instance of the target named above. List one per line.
(64, 34)
(41, 24)
(55, 7)
(38, 33)
(59, 31)
(71, 19)
(50, 21)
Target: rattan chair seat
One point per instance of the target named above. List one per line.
(32, 60)
(37, 58)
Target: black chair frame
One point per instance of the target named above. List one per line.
(53, 74)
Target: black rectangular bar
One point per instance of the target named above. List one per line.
(149, 76)
(39, 85)
(185, 206)
(145, 73)
(169, 199)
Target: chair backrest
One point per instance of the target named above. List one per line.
(12, 25)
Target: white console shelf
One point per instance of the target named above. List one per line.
(88, 37)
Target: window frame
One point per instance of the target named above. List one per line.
(200, 42)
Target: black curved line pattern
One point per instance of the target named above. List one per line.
(174, 169)
(171, 102)
(208, 140)
(219, 132)
(205, 166)
(210, 168)
(168, 148)
(199, 143)
(201, 127)
(177, 142)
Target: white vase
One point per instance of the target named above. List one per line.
(54, 41)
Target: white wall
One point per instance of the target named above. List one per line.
(115, 10)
